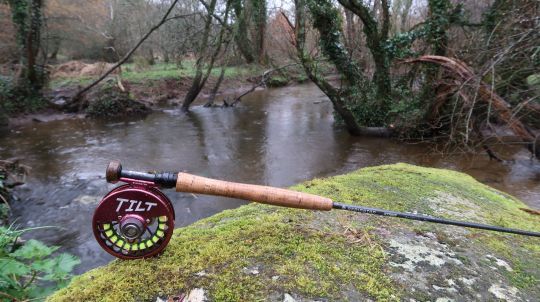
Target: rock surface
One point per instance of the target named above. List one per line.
(259, 252)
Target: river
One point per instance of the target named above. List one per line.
(276, 137)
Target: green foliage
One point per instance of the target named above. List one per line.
(365, 106)
(407, 110)
(359, 94)
(400, 45)
(19, 13)
(27, 18)
(17, 98)
(327, 20)
(277, 81)
(30, 270)
(443, 15)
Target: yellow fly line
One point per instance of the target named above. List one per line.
(115, 238)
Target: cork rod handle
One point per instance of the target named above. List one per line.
(263, 194)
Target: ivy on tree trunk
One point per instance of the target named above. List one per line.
(241, 33)
(27, 18)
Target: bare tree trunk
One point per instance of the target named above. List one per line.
(56, 41)
(214, 91)
(405, 15)
(351, 32)
(200, 80)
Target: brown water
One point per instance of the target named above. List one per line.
(276, 137)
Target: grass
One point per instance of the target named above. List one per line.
(160, 71)
(312, 254)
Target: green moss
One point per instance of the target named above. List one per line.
(336, 255)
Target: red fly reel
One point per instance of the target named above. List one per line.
(133, 221)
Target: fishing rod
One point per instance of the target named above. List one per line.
(136, 220)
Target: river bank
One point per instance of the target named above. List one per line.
(154, 87)
(259, 252)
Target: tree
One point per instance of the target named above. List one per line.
(376, 36)
(368, 99)
(27, 17)
(200, 78)
(250, 16)
(337, 98)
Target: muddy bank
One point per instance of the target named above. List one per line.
(172, 91)
(259, 252)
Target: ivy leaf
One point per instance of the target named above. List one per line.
(33, 249)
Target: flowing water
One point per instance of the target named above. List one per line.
(276, 137)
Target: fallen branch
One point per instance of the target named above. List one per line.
(262, 83)
(464, 74)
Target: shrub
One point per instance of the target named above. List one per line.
(29, 269)
(277, 81)
(18, 98)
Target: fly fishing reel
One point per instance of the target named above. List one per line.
(133, 221)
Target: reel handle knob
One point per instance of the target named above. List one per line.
(114, 171)
(263, 194)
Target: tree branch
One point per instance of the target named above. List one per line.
(126, 56)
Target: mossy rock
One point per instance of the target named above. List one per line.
(264, 253)
(110, 101)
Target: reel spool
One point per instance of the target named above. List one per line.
(133, 221)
